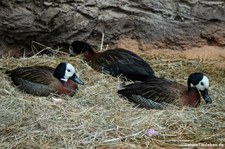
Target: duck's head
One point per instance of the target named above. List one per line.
(79, 47)
(201, 83)
(65, 71)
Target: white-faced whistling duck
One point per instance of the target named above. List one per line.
(158, 93)
(115, 62)
(43, 80)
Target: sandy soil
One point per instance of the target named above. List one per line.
(205, 52)
(202, 53)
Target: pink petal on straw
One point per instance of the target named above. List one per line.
(151, 132)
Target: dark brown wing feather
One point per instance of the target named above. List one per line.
(47, 68)
(127, 63)
(156, 89)
(36, 74)
(37, 80)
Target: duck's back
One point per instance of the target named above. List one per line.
(123, 62)
(38, 80)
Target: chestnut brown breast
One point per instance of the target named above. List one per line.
(191, 98)
(68, 87)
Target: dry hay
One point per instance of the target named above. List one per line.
(98, 117)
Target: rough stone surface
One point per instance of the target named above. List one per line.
(177, 24)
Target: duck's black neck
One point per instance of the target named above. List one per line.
(89, 50)
(190, 89)
(189, 84)
(80, 47)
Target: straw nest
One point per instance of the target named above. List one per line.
(97, 117)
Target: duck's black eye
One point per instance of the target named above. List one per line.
(202, 83)
(68, 70)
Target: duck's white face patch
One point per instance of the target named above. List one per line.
(69, 72)
(203, 84)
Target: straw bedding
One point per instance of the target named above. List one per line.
(97, 117)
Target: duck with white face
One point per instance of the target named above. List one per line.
(158, 93)
(44, 80)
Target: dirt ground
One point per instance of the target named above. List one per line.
(203, 52)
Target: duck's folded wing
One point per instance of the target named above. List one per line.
(32, 74)
(46, 68)
(117, 62)
(156, 90)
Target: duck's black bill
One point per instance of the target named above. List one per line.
(206, 96)
(77, 80)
